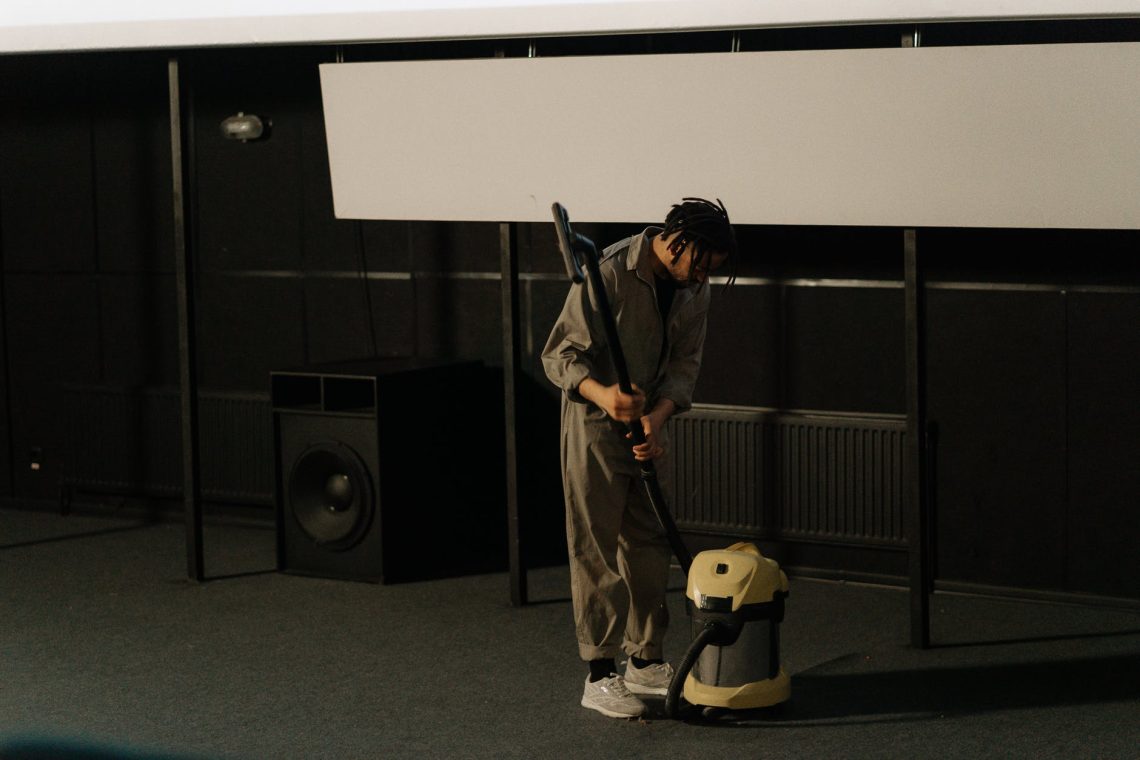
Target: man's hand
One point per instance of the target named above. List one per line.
(644, 452)
(651, 424)
(623, 407)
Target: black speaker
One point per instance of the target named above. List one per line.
(389, 470)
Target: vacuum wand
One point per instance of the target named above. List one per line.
(576, 250)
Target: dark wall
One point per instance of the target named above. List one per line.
(1033, 336)
(1033, 375)
(85, 235)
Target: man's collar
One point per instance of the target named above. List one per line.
(641, 253)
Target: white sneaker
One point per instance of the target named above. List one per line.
(652, 679)
(609, 696)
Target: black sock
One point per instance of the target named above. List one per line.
(603, 668)
(640, 663)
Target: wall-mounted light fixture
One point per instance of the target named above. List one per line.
(245, 127)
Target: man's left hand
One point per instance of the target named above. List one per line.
(650, 425)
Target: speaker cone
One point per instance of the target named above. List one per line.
(331, 495)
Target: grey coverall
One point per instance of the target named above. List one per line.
(619, 556)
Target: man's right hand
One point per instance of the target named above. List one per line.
(623, 407)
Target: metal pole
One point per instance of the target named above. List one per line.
(918, 518)
(188, 381)
(509, 265)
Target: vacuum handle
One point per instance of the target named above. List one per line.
(566, 241)
(577, 249)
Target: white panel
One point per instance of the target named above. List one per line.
(43, 25)
(1005, 136)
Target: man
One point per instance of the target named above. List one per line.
(619, 555)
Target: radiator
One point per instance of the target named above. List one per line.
(128, 440)
(789, 475)
(737, 471)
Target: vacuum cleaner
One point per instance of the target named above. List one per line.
(735, 599)
(734, 596)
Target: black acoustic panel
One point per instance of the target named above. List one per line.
(249, 209)
(246, 327)
(1032, 32)
(337, 322)
(39, 442)
(434, 50)
(742, 347)
(758, 255)
(25, 76)
(130, 136)
(393, 309)
(606, 234)
(825, 38)
(327, 242)
(1104, 448)
(52, 323)
(139, 325)
(538, 249)
(626, 44)
(386, 246)
(1057, 257)
(252, 195)
(6, 482)
(458, 318)
(455, 246)
(844, 349)
(46, 185)
(796, 252)
(996, 390)
(353, 317)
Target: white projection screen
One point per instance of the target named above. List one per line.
(45, 25)
(1040, 136)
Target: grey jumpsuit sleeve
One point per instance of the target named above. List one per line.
(572, 348)
(686, 346)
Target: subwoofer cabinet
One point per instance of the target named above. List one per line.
(389, 470)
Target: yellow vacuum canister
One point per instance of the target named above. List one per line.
(736, 603)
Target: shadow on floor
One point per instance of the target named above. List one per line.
(78, 536)
(826, 695)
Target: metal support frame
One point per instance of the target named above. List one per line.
(509, 264)
(917, 490)
(181, 152)
(8, 479)
(920, 440)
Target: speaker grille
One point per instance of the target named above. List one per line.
(331, 495)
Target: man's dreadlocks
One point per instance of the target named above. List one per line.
(706, 226)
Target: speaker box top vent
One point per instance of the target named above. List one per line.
(344, 387)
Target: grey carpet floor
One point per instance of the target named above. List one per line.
(106, 647)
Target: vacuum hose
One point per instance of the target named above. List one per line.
(710, 632)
